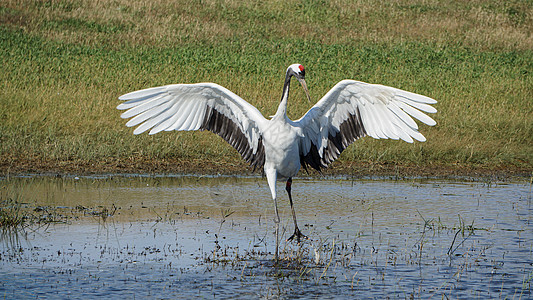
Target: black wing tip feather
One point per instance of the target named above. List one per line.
(224, 127)
(349, 131)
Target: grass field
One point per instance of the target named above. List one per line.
(65, 62)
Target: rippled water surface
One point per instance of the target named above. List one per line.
(186, 237)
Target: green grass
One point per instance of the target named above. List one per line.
(66, 62)
(11, 216)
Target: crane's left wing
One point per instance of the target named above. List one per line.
(199, 106)
(354, 109)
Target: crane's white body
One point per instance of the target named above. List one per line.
(282, 157)
(350, 110)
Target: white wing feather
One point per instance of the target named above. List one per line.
(383, 113)
(184, 107)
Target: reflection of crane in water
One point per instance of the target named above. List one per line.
(350, 110)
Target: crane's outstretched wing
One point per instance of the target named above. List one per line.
(353, 109)
(201, 106)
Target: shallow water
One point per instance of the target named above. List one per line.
(183, 237)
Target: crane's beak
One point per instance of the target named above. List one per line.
(304, 85)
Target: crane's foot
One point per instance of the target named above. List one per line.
(297, 235)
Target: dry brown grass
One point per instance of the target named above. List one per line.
(503, 25)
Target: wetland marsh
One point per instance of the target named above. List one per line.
(139, 236)
(213, 237)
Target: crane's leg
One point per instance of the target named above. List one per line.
(271, 178)
(297, 234)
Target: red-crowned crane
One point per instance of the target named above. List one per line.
(349, 111)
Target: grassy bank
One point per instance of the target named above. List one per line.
(66, 62)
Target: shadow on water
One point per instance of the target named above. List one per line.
(183, 237)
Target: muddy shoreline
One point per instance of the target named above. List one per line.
(13, 167)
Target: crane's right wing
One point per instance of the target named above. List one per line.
(200, 106)
(354, 109)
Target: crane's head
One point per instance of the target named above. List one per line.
(298, 71)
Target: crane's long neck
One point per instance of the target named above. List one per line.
(282, 108)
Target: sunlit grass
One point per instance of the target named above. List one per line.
(66, 62)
